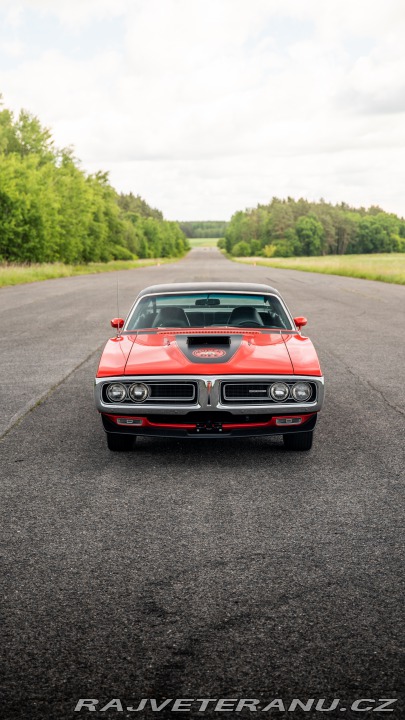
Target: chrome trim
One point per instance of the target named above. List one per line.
(209, 395)
(127, 383)
(266, 393)
(293, 327)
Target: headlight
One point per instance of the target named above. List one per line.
(279, 391)
(116, 392)
(301, 391)
(138, 392)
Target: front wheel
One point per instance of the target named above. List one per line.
(120, 443)
(298, 441)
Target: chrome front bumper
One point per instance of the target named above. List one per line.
(209, 396)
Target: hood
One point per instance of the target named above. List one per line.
(219, 352)
(208, 353)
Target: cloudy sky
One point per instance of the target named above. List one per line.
(205, 107)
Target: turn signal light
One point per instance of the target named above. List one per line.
(289, 421)
(128, 421)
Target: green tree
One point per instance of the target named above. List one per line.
(241, 249)
(33, 138)
(310, 234)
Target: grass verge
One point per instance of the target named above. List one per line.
(19, 274)
(386, 267)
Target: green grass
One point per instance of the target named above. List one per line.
(203, 242)
(386, 267)
(18, 274)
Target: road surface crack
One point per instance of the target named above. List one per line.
(21, 414)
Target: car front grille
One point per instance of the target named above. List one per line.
(241, 391)
(254, 393)
(173, 392)
(228, 393)
(160, 393)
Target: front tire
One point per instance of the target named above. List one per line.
(120, 443)
(298, 441)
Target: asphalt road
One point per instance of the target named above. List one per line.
(200, 569)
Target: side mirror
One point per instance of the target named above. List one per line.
(300, 322)
(117, 323)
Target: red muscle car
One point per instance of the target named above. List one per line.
(209, 360)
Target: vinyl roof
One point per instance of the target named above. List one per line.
(208, 287)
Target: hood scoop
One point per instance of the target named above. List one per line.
(208, 348)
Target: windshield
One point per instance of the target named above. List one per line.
(196, 310)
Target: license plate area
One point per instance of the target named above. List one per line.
(208, 427)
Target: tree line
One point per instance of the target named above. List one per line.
(204, 228)
(287, 228)
(51, 210)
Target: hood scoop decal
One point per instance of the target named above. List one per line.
(209, 348)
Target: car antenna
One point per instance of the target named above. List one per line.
(118, 314)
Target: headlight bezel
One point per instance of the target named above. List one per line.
(271, 391)
(294, 391)
(139, 385)
(115, 385)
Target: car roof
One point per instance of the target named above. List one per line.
(208, 287)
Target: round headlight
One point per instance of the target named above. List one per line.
(116, 392)
(138, 392)
(279, 391)
(301, 391)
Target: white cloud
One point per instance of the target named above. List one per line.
(205, 107)
(73, 13)
(13, 14)
(13, 48)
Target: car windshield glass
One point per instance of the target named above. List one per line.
(218, 309)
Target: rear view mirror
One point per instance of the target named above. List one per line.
(207, 302)
(117, 323)
(300, 322)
